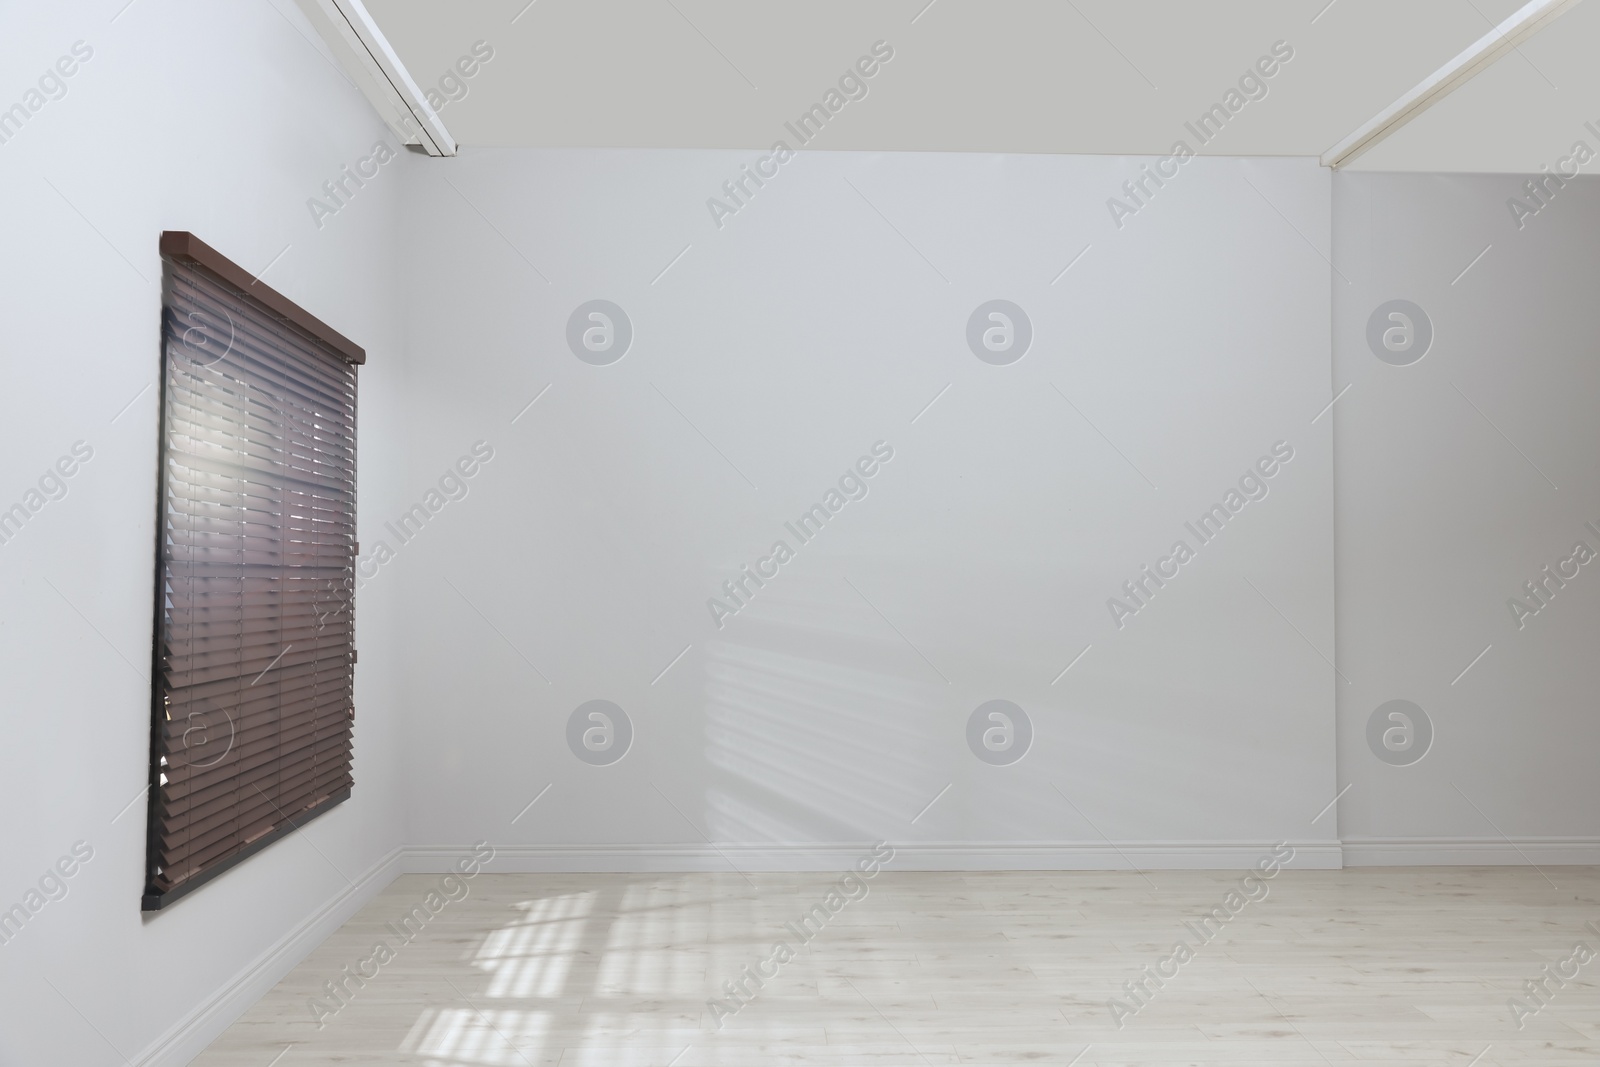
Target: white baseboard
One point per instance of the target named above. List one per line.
(1470, 851)
(1020, 856)
(188, 1037)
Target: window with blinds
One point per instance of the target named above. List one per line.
(254, 657)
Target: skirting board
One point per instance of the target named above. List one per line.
(1470, 851)
(1020, 856)
(188, 1037)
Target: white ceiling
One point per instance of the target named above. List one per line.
(1079, 76)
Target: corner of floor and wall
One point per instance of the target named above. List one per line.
(601, 548)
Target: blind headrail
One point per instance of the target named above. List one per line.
(184, 247)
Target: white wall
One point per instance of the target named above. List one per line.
(221, 119)
(1460, 476)
(820, 319)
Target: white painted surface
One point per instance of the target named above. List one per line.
(833, 709)
(1094, 76)
(223, 120)
(1448, 501)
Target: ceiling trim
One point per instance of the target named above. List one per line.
(1521, 25)
(367, 57)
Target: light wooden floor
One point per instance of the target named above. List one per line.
(1374, 966)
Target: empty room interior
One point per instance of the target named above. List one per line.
(688, 533)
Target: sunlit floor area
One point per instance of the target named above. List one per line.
(1447, 966)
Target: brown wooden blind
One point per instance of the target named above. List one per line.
(252, 685)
